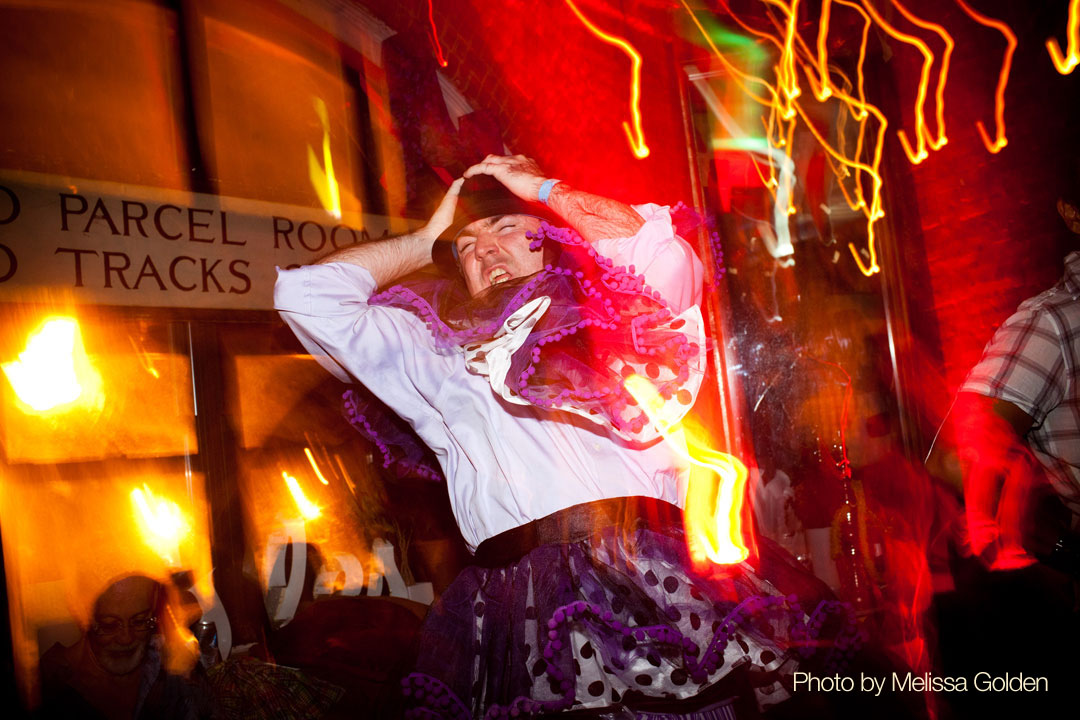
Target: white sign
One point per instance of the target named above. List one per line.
(111, 244)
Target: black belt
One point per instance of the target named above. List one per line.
(576, 523)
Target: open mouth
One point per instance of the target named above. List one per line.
(497, 276)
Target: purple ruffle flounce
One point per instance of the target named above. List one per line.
(403, 453)
(603, 322)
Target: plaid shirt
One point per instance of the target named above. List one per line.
(1032, 362)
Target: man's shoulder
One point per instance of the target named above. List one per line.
(1057, 308)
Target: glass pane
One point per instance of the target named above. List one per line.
(92, 90)
(97, 478)
(322, 517)
(293, 142)
(89, 390)
(805, 335)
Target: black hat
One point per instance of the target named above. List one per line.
(482, 196)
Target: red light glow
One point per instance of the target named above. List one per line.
(435, 35)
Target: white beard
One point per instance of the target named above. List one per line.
(121, 661)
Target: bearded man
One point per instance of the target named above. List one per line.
(116, 670)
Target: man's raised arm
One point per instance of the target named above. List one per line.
(391, 258)
(594, 217)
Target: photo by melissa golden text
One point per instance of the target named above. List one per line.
(927, 682)
(540, 359)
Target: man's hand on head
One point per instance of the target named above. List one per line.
(443, 217)
(521, 175)
(388, 259)
(592, 216)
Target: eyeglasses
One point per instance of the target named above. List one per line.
(113, 626)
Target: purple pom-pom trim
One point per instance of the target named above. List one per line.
(401, 451)
(624, 318)
(434, 699)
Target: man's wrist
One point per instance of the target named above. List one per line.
(430, 230)
(546, 187)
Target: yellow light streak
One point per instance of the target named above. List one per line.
(770, 122)
(786, 78)
(54, 372)
(635, 136)
(862, 60)
(822, 87)
(714, 498)
(825, 91)
(161, 524)
(920, 152)
(1003, 78)
(741, 79)
(318, 473)
(322, 176)
(860, 108)
(1066, 63)
(779, 131)
(144, 359)
(876, 211)
(769, 182)
(308, 509)
(943, 72)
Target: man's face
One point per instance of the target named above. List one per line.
(495, 249)
(123, 624)
(1070, 214)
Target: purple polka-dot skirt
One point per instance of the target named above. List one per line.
(618, 617)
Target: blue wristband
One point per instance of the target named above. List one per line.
(545, 189)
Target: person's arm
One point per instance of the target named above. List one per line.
(325, 304)
(979, 426)
(981, 452)
(388, 350)
(594, 217)
(1019, 379)
(666, 261)
(391, 258)
(641, 237)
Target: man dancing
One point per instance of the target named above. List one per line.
(511, 370)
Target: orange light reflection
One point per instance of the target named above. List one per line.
(322, 175)
(308, 509)
(161, 523)
(716, 492)
(53, 372)
(318, 473)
